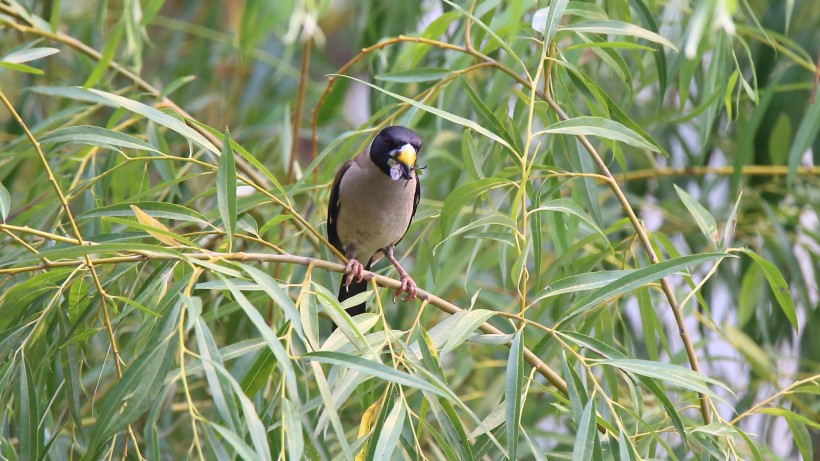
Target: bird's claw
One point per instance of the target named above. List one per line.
(407, 286)
(353, 269)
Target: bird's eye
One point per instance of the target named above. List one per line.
(386, 141)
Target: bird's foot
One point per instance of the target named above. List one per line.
(407, 286)
(353, 269)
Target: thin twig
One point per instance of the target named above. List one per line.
(76, 230)
(297, 111)
(381, 280)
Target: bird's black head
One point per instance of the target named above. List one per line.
(394, 151)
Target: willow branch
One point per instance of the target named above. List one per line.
(387, 282)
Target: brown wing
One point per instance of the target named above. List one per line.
(333, 208)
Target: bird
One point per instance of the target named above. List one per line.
(373, 199)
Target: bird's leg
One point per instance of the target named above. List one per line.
(353, 268)
(407, 284)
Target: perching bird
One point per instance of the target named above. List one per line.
(372, 201)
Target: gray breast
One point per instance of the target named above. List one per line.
(374, 210)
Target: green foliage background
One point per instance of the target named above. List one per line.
(618, 230)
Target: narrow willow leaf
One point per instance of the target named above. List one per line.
(673, 374)
(790, 415)
(581, 282)
(731, 223)
(458, 120)
(20, 68)
(464, 195)
(465, 326)
(469, 153)
(218, 391)
(157, 117)
(612, 27)
(226, 189)
(585, 437)
(330, 407)
(626, 450)
(778, 285)
(236, 442)
(567, 206)
(637, 278)
(270, 338)
(30, 54)
(293, 430)
(146, 220)
(30, 435)
(112, 42)
(135, 305)
(278, 295)
(5, 203)
(513, 389)
(376, 369)
(601, 127)
(155, 209)
(704, 219)
(96, 136)
(802, 438)
(390, 431)
(546, 20)
(492, 220)
(486, 114)
(806, 135)
(252, 421)
(416, 75)
(134, 392)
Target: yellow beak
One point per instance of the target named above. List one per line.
(406, 156)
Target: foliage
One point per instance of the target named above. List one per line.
(621, 193)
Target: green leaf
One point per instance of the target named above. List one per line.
(5, 203)
(464, 195)
(567, 206)
(458, 120)
(390, 431)
(156, 116)
(789, 415)
(376, 369)
(30, 435)
(133, 393)
(612, 27)
(704, 219)
(226, 189)
(492, 220)
(778, 285)
(513, 389)
(270, 338)
(112, 41)
(581, 282)
(96, 136)
(601, 127)
(464, 327)
(155, 209)
(21, 68)
(584, 439)
(806, 135)
(416, 75)
(293, 430)
(673, 374)
(469, 154)
(19, 57)
(278, 295)
(637, 278)
(547, 20)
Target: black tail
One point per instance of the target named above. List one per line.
(354, 289)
